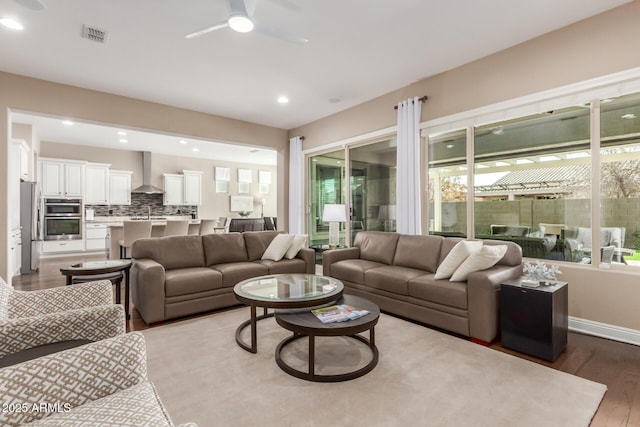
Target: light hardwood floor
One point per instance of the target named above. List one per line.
(615, 364)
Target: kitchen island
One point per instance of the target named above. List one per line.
(116, 232)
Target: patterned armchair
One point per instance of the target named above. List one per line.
(103, 383)
(40, 322)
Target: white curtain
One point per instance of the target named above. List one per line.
(408, 167)
(296, 195)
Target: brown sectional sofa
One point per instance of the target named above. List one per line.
(397, 272)
(181, 275)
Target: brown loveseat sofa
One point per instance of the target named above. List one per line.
(397, 273)
(181, 275)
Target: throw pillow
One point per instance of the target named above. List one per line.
(278, 247)
(299, 242)
(485, 258)
(456, 256)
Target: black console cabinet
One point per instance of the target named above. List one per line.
(534, 321)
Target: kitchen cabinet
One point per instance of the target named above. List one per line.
(54, 246)
(96, 184)
(95, 237)
(173, 189)
(14, 184)
(192, 187)
(15, 252)
(120, 187)
(183, 189)
(62, 178)
(20, 158)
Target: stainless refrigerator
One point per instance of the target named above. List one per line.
(30, 220)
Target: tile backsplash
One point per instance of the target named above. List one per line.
(140, 204)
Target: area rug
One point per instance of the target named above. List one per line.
(423, 378)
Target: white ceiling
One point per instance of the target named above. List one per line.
(357, 49)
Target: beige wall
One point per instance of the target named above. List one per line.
(214, 204)
(39, 96)
(592, 48)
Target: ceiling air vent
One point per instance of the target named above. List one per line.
(94, 34)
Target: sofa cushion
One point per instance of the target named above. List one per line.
(257, 242)
(427, 288)
(352, 270)
(486, 257)
(278, 247)
(377, 246)
(235, 272)
(299, 242)
(172, 252)
(456, 257)
(391, 278)
(222, 248)
(137, 405)
(182, 281)
(420, 252)
(295, 265)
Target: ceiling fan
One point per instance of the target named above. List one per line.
(32, 4)
(240, 19)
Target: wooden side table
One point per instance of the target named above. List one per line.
(534, 321)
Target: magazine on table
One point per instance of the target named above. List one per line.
(338, 313)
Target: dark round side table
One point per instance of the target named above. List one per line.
(111, 269)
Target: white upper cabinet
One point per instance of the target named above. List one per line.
(183, 189)
(173, 189)
(192, 187)
(61, 178)
(96, 184)
(120, 187)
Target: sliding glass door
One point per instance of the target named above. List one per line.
(327, 186)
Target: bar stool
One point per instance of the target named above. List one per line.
(207, 226)
(222, 226)
(177, 228)
(133, 230)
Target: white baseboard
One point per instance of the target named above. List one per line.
(603, 330)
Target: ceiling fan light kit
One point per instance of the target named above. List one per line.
(240, 23)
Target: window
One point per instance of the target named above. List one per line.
(532, 183)
(620, 178)
(447, 171)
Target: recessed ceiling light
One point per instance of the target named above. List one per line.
(123, 141)
(628, 116)
(122, 133)
(255, 150)
(195, 149)
(283, 100)
(450, 146)
(334, 100)
(67, 122)
(497, 131)
(11, 23)
(182, 141)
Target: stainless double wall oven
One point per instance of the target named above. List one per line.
(62, 219)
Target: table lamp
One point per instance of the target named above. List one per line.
(334, 214)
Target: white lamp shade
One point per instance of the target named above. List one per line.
(334, 213)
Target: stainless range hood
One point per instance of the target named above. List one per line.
(146, 186)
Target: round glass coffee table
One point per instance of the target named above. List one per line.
(282, 291)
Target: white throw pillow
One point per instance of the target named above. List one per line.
(485, 258)
(278, 247)
(456, 256)
(299, 242)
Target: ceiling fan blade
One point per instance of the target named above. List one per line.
(281, 35)
(207, 30)
(287, 4)
(32, 4)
